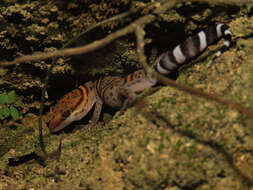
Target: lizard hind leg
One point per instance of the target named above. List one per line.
(129, 97)
(131, 92)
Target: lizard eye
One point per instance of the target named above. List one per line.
(66, 113)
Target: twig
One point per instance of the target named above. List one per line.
(44, 89)
(92, 46)
(100, 43)
(166, 81)
(208, 96)
(82, 49)
(117, 17)
(140, 33)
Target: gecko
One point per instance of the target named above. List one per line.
(116, 91)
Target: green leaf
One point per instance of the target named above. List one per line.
(3, 98)
(14, 112)
(1, 114)
(5, 112)
(11, 96)
(18, 104)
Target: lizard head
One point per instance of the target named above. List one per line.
(72, 107)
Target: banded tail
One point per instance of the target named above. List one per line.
(171, 60)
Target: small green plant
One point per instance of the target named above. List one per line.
(8, 106)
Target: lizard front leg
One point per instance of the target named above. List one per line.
(95, 116)
(97, 111)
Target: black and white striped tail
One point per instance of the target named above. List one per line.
(169, 61)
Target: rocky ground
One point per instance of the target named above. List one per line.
(169, 140)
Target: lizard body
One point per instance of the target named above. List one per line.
(116, 91)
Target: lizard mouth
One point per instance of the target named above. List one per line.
(56, 123)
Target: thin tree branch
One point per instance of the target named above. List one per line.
(82, 49)
(208, 96)
(115, 18)
(161, 8)
(166, 81)
(140, 33)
